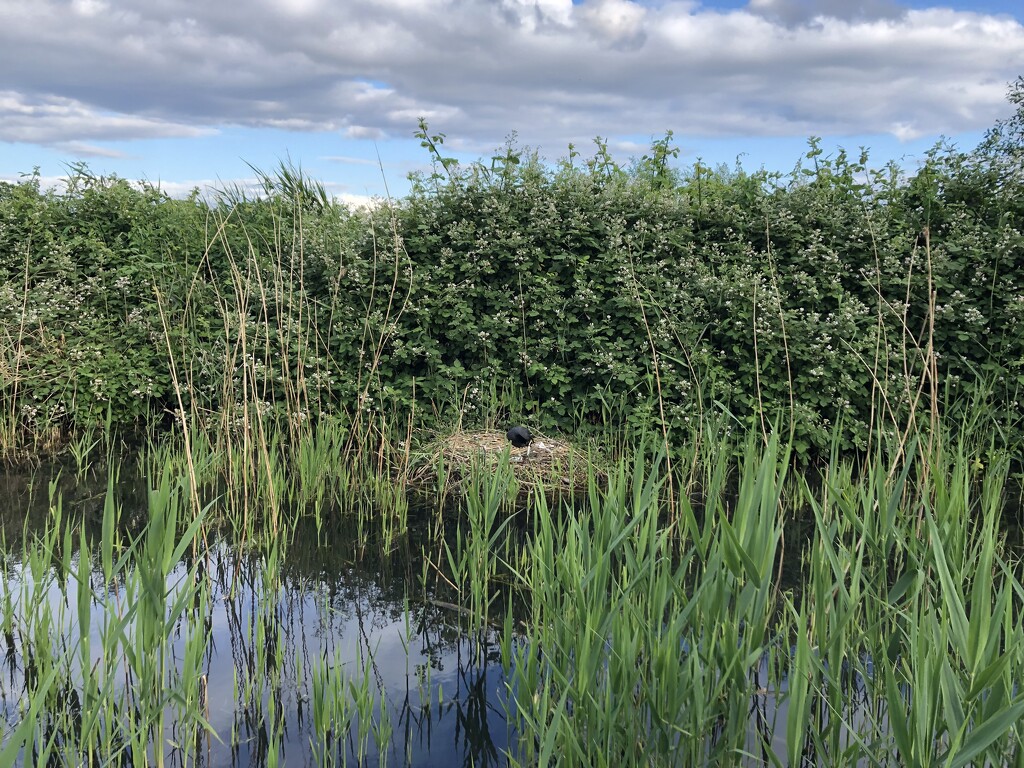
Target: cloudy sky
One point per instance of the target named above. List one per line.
(187, 93)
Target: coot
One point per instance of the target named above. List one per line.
(520, 437)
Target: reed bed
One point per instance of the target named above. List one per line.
(667, 639)
(645, 621)
(98, 682)
(108, 640)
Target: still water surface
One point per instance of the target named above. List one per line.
(342, 604)
(338, 605)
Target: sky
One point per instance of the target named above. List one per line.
(185, 94)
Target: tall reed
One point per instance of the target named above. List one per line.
(98, 683)
(661, 634)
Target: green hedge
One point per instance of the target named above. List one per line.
(579, 293)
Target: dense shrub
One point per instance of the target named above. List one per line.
(580, 293)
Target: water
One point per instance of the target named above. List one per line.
(342, 609)
(443, 692)
(339, 608)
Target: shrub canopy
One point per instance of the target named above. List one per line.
(579, 293)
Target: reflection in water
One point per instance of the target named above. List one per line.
(330, 651)
(440, 694)
(335, 615)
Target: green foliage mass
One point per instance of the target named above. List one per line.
(580, 293)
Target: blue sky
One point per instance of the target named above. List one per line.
(188, 94)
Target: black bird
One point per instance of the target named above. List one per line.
(520, 437)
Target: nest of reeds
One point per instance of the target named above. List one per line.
(549, 463)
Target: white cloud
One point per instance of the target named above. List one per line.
(65, 122)
(363, 132)
(905, 131)
(616, 21)
(299, 8)
(83, 149)
(348, 160)
(344, 160)
(88, 7)
(803, 11)
(479, 69)
(629, 148)
(539, 14)
(351, 199)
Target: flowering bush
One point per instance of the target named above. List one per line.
(583, 293)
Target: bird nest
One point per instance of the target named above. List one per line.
(549, 463)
